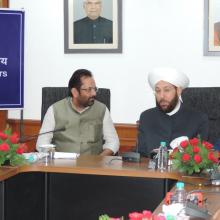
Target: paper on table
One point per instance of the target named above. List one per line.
(65, 155)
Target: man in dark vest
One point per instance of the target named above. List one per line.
(170, 119)
(88, 126)
(93, 28)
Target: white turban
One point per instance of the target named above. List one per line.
(169, 75)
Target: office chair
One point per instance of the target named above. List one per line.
(207, 100)
(50, 95)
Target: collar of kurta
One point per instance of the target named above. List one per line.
(74, 107)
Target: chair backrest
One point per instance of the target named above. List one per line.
(50, 95)
(207, 100)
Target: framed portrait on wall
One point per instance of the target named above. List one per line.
(4, 3)
(92, 26)
(212, 28)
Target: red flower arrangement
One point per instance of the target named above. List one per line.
(10, 150)
(145, 215)
(193, 156)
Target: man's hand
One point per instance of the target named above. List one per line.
(107, 152)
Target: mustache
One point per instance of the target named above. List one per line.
(92, 98)
(163, 101)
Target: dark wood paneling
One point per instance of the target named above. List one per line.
(2, 202)
(25, 197)
(130, 194)
(127, 133)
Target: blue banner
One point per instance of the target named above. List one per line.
(11, 59)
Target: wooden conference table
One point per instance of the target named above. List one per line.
(84, 189)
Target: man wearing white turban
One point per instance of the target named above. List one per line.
(170, 119)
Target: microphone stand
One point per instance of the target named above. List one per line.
(29, 138)
(21, 125)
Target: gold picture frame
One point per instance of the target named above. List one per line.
(4, 3)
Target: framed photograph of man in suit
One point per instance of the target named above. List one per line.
(92, 26)
(212, 28)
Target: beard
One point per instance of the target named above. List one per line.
(85, 103)
(91, 101)
(169, 108)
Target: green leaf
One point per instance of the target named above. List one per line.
(104, 217)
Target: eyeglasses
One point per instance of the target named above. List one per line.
(90, 89)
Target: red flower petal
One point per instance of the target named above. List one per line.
(184, 144)
(4, 147)
(135, 216)
(197, 158)
(185, 157)
(196, 149)
(194, 141)
(207, 145)
(14, 139)
(3, 136)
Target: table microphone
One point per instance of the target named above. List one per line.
(132, 156)
(29, 138)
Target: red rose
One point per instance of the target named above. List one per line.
(4, 147)
(196, 149)
(21, 149)
(14, 139)
(194, 141)
(3, 136)
(147, 214)
(24, 146)
(207, 145)
(184, 144)
(135, 216)
(212, 157)
(185, 157)
(197, 158)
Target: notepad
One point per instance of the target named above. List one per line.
(65, 155)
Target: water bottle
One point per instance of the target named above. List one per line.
(179, 195)
(162, 157)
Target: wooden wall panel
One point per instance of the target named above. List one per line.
(127, 133)
(3, 119)
(30, 127)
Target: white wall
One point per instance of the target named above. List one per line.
(155, 33)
